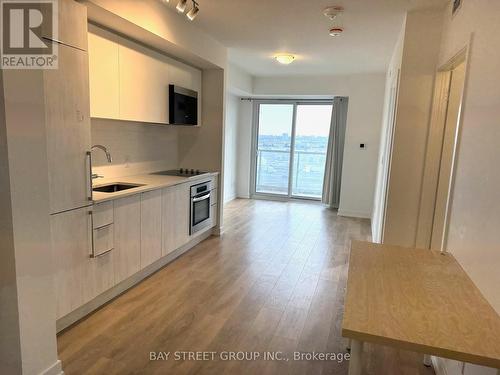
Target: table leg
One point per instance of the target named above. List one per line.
(427, 360)
(348, 347)
(356, 361)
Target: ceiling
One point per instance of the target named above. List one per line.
(255, 30)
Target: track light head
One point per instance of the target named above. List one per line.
(181, 6)
(191, 15)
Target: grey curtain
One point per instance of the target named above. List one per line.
(335, 153)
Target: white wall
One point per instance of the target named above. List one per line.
(364, 118)
(418, 67)
(239, 81)
(244, 148)
(473, 236)
(231, 147)
(385, 138)
(238, 126)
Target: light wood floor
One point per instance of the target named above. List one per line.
(274, 281)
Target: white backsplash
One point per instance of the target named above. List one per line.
(136, 148)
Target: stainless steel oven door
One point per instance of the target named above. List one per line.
(200, 212)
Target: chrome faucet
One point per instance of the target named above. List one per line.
(108, 156)
(101, 147)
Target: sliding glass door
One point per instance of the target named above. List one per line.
(274, 143)
(291, 144)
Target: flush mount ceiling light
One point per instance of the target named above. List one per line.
(284, 58)
(181, 6)
(191, 15)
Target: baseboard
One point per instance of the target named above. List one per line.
(358, 214)
(229, 199)
(439, 366)
(100, 300)
(218, 231)
(55, 369)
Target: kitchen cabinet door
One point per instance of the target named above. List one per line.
(99, 275)
(104, 74)
(127, 231)
(144, 83)
(71, 248)
(188, 77)
(150, 227)
(68, 130)
(175, 212)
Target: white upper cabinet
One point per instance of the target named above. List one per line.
(104, 74)
(130, 82)
(144, 81)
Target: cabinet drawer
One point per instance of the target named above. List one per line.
(103, 214)
(103, 239)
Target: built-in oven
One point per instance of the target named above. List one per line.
(200, 207)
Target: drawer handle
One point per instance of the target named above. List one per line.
(103, 226)
(101, 254)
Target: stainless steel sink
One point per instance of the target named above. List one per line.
(113, 188)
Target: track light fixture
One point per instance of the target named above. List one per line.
(181, 6)
(191, 15)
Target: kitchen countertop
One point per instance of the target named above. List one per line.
(148, 181)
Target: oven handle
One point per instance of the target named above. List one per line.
(201, 198)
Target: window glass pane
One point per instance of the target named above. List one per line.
(312, 129)
(273, 148)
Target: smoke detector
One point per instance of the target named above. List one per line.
(336, 31)
(333, 12)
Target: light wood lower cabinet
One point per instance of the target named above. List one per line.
(127, 231)
(71, 248)
(175, 212)
(128, 234)
(151, 219)
(78, 278)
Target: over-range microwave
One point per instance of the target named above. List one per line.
(183, 106)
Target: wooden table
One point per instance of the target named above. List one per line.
(417, 300)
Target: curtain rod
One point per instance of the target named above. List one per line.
(287, 100)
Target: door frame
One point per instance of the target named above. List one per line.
(253, 152)
(433, 151)
(387, 153)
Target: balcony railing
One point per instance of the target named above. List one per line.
(273, 172)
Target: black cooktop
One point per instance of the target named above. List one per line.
(181, 172)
